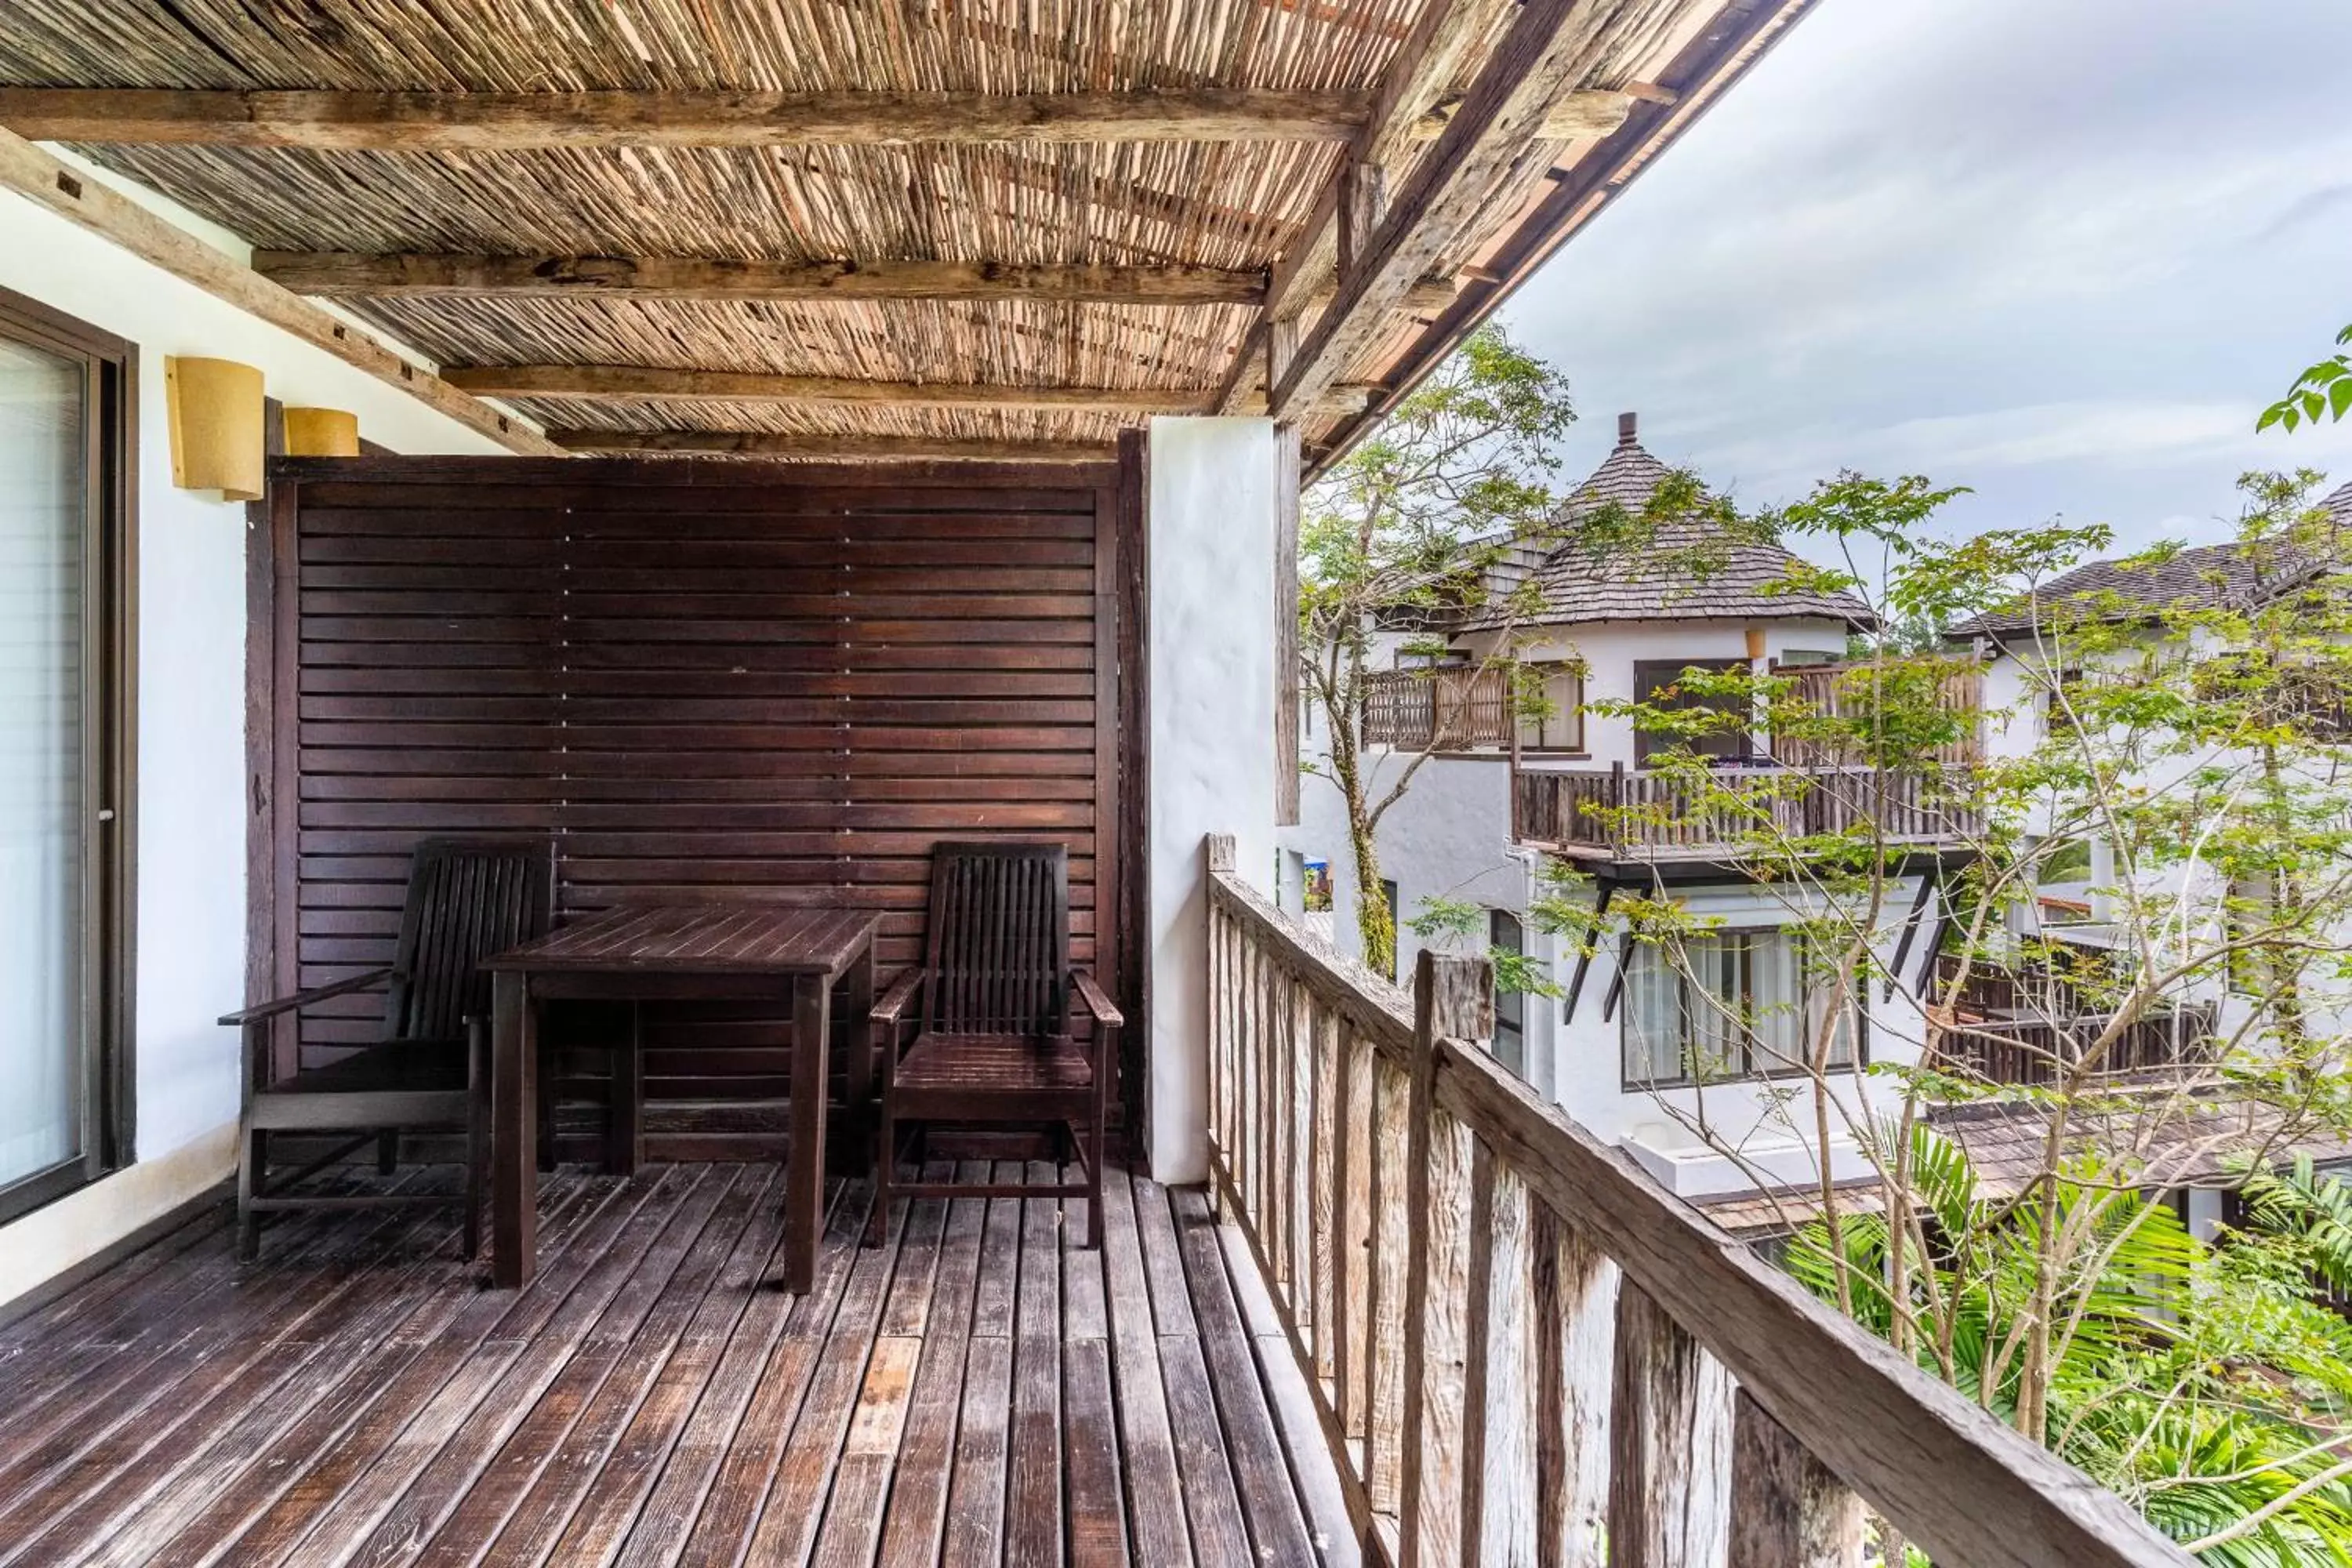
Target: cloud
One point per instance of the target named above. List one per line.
(2061, 253)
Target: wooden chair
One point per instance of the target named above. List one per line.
(467, 901)
(992, 1003)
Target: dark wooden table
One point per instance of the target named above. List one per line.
(677, 953)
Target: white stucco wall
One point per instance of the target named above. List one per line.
(1210, 558)
(191, 809)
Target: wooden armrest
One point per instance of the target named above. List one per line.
(253, 1015)
(1091, 994)
(894, 1001)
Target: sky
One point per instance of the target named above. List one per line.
(2063, 252)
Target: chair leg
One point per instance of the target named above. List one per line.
(1094, 1187)
(885, 1150)
(253, 1150)
(478, 1131)
(387, 1151)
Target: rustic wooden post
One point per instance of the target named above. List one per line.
(1454, 998)
(1218, 851)
(1668, 1432)
(1787, 1511)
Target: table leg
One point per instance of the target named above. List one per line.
(514, 1143)
(625, 1128)
(804, 1180)
(857, 1010)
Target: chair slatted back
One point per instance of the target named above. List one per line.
(998, 947)
(468, 899)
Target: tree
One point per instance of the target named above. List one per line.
(2197, 741)
(1410, 527)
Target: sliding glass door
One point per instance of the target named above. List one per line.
(63, 400)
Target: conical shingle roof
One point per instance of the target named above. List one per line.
(1682, 571)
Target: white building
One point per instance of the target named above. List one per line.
(1611, 1049)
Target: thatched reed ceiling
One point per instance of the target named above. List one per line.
(1233, 205)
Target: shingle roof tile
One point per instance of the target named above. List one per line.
(1680, 572)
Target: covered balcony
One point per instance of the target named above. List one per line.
(985, 361)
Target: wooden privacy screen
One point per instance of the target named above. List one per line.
(704, 681)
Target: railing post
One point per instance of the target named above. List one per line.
(1218, 850)
(1787, 1511)
(1452, 998)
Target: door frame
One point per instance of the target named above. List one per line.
(109, 796)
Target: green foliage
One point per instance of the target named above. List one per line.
(2325, 388)
(2201, 1382)
(1455, 923)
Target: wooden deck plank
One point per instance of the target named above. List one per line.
(983, 1390)
(1278, 1525)
(918, 1499)
(620, 1294)
(150, 1467)
(852, 1530)
(1155, 1495)
(665, 1522)
(1204, 1476)
(1033, 1502)
(975, 1529)
(54, 1392)
(703, 1241)
(272, 1502)
(796, 1495)
(629, 1473)
(732, 1506)
(462, 1457)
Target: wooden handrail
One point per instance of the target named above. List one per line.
(1513, 1335)
(1445, 708)
(1630, 812)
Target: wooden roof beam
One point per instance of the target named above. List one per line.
(114, 218)
(646, 384)
(833, 448)
(1405, 111)
(1527, 74)
(341, 274)
(503, 122)
(331, 274)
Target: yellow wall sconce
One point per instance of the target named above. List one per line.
(321, 433)
(1754, 644)
(216, 418)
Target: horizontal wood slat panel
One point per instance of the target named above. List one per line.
(701, 688)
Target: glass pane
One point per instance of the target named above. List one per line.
(43, 518)
(1504, 935)
(1781, 1042)
(1653, 1016)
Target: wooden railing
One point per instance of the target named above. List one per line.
(2030, 1050)
(1626, 813)
(1522, 1350)
(1832, 690)
(1447, 710)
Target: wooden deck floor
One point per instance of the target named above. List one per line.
(980, 1391)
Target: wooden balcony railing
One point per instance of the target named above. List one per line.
(1521, 1349)
(1835, 689)
(1447, 710)
(1627, 814)
(2034, 1050)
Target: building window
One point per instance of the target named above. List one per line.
(1503, 934)
(1560, 727)
(1659, 684)
(1724, 1005)
(66, 456)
